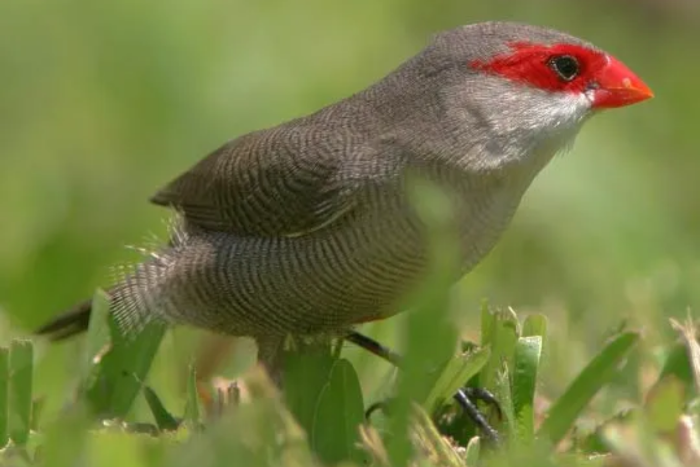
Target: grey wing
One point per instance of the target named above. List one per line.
(277, 182)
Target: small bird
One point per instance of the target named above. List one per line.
(306, 228)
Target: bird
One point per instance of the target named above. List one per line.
(308, 227)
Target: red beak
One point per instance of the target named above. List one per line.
(618, 86)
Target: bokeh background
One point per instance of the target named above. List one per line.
(103, 102)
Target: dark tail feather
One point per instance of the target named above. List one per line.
(68, 324)
(77, 319)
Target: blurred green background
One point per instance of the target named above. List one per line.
(103, 102)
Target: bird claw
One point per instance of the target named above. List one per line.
(465, 397)
(381, 405)
(485, 396)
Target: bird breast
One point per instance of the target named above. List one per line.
(353, 271)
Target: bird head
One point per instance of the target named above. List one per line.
(511, 94)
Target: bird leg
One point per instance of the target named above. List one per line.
(270, 356)
(465, 397)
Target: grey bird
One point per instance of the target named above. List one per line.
(306, 228)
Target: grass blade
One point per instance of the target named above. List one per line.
(526, 362)
(192, 412)
(4, 395)
(535, 325)
(664, 404)
(503, 334)
(471, 457)
(163, 418)
(122, 369)
(429, 335)
(20, 390)
(504, 394)
(488, 322)
(97, 338)
(306, 374)
(677, 363)
(432, 443)
(340, 406)
(455, 374)
(599, 372)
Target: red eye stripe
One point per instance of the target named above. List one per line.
(530, 64)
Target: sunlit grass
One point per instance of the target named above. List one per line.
(319, 417)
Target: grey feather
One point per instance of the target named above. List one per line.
(305, 228)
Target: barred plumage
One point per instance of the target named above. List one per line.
(306, 228)
(354, 270)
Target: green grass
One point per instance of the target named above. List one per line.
(318, 419)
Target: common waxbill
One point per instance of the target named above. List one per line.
(306, 228)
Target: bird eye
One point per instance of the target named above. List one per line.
(565, 66)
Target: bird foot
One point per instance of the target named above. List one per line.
(465, 397)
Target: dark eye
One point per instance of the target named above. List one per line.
(565, 66)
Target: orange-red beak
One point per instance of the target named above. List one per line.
(617, 86)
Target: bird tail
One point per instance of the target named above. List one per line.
(132, 303)
(68, 324)
(138, 296)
